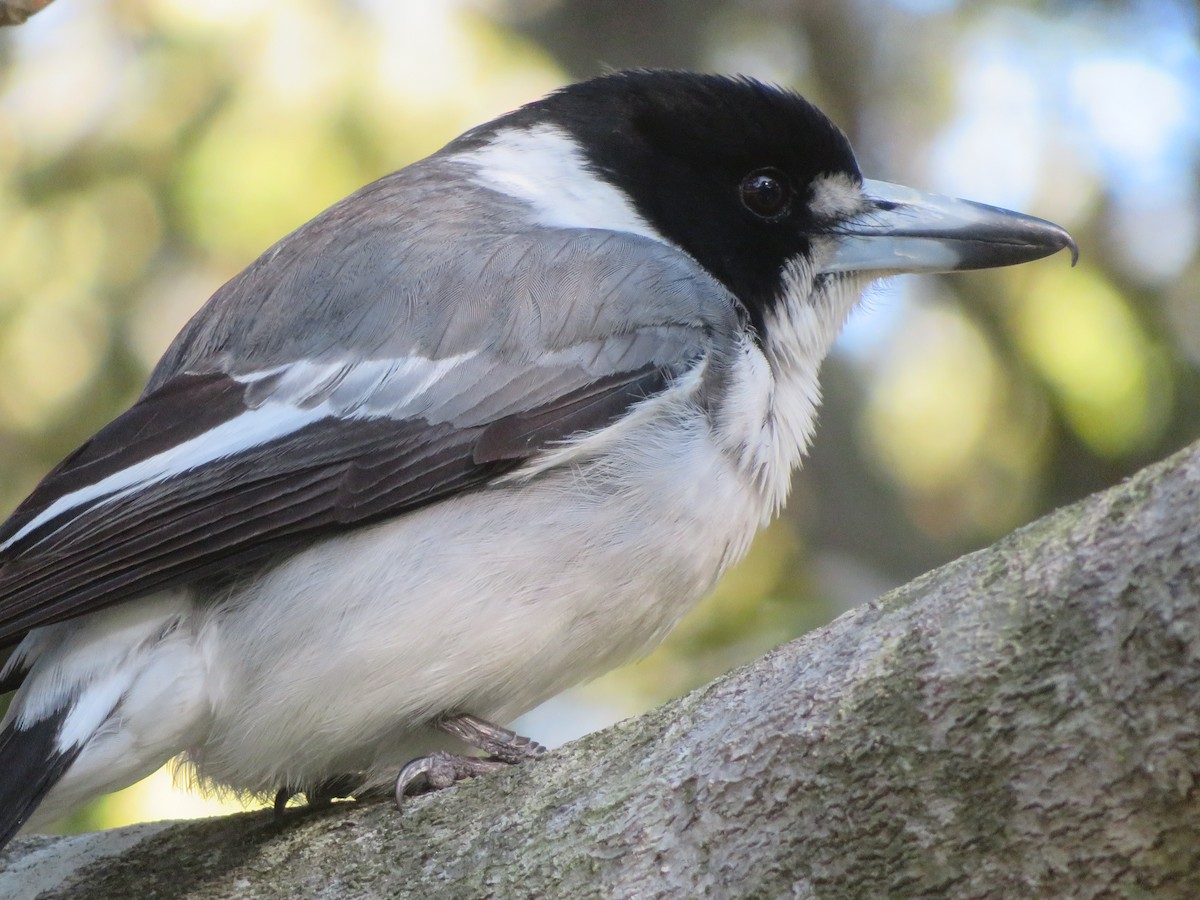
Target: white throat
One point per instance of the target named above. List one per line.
(800, 331)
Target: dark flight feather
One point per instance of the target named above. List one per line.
(330, 475)
(32, 765)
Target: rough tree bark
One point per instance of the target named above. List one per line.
(1021, 722)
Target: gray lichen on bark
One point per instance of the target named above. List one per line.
(1022, 722)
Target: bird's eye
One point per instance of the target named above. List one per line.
(767, 193)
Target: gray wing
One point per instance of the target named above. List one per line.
(211, 470)
(402, 269)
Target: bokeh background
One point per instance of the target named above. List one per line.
(149, 149)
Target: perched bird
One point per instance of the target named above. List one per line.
(480, 431)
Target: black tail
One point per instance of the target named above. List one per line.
(30, 764)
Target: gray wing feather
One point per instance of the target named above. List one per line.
(374, 394)
(401, 269)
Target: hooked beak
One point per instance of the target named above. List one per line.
(906, 230)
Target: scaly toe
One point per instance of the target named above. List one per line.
(441, 770)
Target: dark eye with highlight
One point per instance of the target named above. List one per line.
(767, 193)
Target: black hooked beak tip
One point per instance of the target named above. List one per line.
(906, 230)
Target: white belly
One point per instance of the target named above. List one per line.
(489, 603)
(336, 660)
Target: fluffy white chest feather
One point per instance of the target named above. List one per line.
(488, 604)
(335, 660)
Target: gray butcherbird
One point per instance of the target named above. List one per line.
(479, 432)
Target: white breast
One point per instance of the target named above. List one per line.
(335, 660)
(489, 603)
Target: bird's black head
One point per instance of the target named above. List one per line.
(753, 181)
(727, 168)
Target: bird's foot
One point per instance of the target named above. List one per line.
(322, 795)
(499, 743)
(441, 770)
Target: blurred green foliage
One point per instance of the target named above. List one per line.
(149, 150)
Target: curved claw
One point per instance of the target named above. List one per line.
(417, 768)
(441, 770)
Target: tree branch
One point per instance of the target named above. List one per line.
(15, 12)
(1022, 721)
